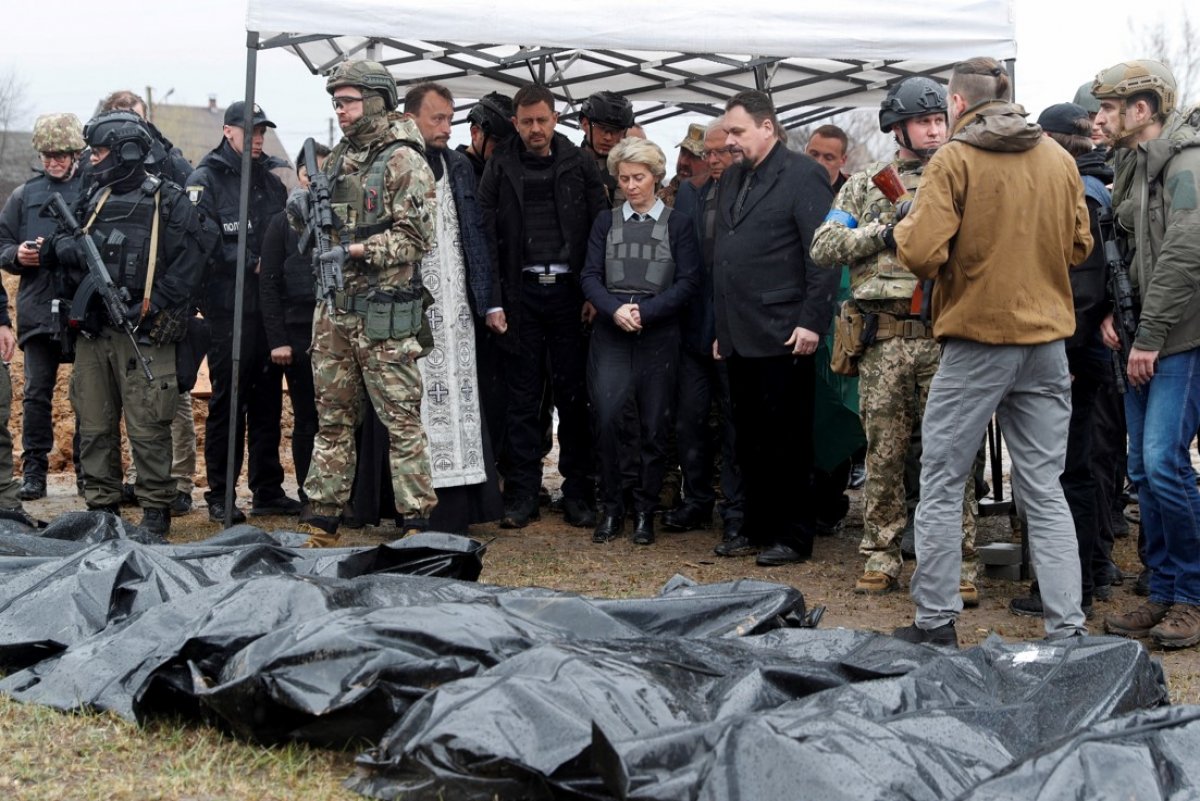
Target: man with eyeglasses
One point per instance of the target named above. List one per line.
(215, 187)
(703, 380)
(605, 118)
(58, 138)
(368, 337)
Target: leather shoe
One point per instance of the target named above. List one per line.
(280, 505)
(520, 514)
(578, 513)
(737, 545)
(780, 554)
(686, 518)
(643, 528)
(216, 513)
(609, 528)
(32, 488)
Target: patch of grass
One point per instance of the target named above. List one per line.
(50, 755)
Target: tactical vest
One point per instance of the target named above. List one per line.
(357, 198)
(122, 234)
(637, 258)
(34, 196)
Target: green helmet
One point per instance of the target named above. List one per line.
(58, 133)
(368, 76)
(1085, 98)
(1136, 77)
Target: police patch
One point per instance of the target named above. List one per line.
(194, 193)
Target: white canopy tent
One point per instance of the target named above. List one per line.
(669, 57)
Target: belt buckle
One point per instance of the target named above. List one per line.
(547, 278)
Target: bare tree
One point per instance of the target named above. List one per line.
(1174, 44)
(13, 95)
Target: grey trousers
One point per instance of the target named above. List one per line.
(1029, 388)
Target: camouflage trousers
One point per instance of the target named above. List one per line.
(9, 486)
(107, 381)
(893, 384)
(345, 364)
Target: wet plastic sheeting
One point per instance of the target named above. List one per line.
(48, 602)
(686, 719)
(1148, 756)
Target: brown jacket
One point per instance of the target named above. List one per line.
(999, 219)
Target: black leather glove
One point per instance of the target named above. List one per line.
(902, 210)
(133, 312)
(889, 237)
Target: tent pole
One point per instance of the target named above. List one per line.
(240, 279)
(1010, 64)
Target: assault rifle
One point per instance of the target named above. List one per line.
(98, 283)
(321, 227)
(1125, 301)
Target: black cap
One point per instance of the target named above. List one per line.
(235, 115)
(1064, 118)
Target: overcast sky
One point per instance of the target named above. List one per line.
(192, 50)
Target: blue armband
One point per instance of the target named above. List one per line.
(843, 217)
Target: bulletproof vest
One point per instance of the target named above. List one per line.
(637, 255)
(122, 234)
(357, 198)
(35, 195)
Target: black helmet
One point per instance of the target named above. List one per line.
(608, 108)
(493, 114)
(912, 97)
(123, 133)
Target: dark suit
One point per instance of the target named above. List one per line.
(764, 286)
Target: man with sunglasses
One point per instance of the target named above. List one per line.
(58, 138)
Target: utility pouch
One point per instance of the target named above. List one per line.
(848, 340)
(379, 319)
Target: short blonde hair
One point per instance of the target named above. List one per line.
(632, 150)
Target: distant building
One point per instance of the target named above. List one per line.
(17, 161)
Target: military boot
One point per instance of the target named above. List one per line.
(876, 582)
(1139, 622)
(156, 520)
(1180, 628)
(322, 531)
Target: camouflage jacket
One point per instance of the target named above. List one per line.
(1156, 197)
(857, 240)
(409, 200)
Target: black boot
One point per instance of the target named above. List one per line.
(643, 528)
(156, 520)
(32, 488)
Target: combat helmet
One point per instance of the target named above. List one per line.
(914, 96)
(608, 108)
(368, 76)
(493, 114)
(122, 132)
(58, 133)
(1137, 77)
(1085, 98)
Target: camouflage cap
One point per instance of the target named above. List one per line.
(58, 133)
(1136, 77)
(694, 141)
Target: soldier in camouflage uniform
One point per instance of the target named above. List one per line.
(383, 194)
(896, 368)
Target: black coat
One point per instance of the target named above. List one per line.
(579, 193)
(215, 186)
(463, 185)
(20, 221)
(764, 282)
